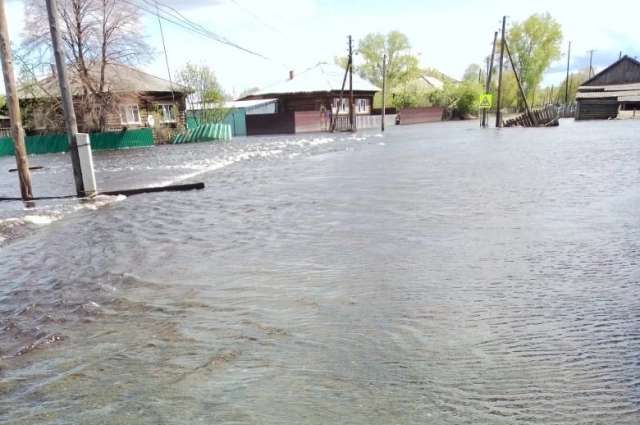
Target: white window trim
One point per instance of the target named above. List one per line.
(340, 106)
(125, 110)
(363, 104)
(168, 107)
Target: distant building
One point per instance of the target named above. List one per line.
(614, 90)
(319, 87)
(304, 101)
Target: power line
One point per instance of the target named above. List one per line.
(258, 19)
(166, 57)
(188, 25)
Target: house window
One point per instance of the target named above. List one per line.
(166, 112)
(38, 120)
(129, 114)
(362, 105)
(340, 105)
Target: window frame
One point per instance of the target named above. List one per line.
(340, 105)
(165, 109)
(363, 104)
(125, 109)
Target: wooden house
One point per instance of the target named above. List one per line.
(127, 99)
(304, 100)
(612, 92)
(5, 126)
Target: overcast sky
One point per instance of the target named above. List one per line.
(296, 34)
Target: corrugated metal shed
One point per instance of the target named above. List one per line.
(321, 78)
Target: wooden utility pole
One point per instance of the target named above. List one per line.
(352, 109)
(384, 88)
(14, 107)
(499, 101)
(532, 117)
(590, 62)
(65, 94)
(566, 89)
(485, 112)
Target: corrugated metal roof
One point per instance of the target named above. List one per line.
(603, 94)
(321, 78)
(629, 98)
(612, 87)
(248, 103)
(118, 78)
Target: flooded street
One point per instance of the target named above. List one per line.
(433, 274)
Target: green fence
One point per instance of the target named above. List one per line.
(237, 119)
(57, 143)
(204, 133)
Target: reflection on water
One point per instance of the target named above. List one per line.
(433, 274)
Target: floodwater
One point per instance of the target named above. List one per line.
(433, 274)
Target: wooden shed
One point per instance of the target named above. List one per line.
(613, 91)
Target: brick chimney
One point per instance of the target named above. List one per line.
(292, 74)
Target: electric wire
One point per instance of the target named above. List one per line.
(253, 15)
(188, 25)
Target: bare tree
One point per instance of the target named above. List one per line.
(95, 33)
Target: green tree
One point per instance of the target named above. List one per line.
(534, 45)
(205, 93)
(474, 73)
(402, 65)
(461, 98)
(575, 80)
(342, 62)
(410, 94)
(248, 92)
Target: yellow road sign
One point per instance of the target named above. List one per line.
(485, 101)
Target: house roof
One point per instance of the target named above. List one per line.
(608, 93)
(626, 63)
(248, 104)
(320, 78)
(611, 87)
(118, 78)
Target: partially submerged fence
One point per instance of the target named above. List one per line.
(421, 115)
(204, 133)
(59, 143)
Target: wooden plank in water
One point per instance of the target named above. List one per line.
(172, 188)
(35, 167)
(125, 192)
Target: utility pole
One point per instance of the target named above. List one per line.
(485, 112)
(590, 61)
(352, 109)
(384, 88)
(14, 108)
(524, 96)
(499, 101)
(566, 89)
(65, 94)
